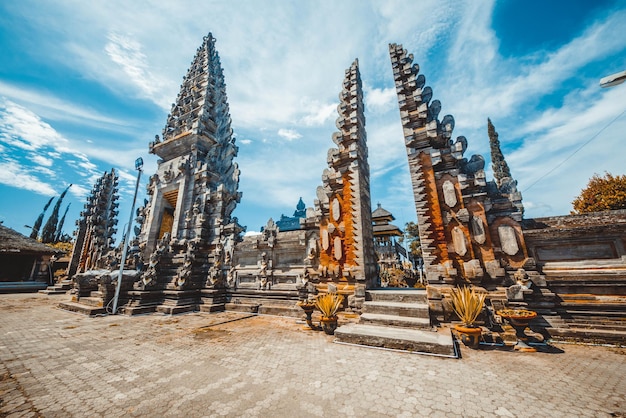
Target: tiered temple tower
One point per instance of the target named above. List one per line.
(346, 238)
(469, 228)
(189, 234)
(96, 227)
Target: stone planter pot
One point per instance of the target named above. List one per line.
(329, 325)
(519, 320)
(308, 309)
(469, 335)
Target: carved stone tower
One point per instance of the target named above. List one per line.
(346, 238)
(194, 191)
(96, 226)
(467, 226)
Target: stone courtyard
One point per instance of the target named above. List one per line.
(58, 363)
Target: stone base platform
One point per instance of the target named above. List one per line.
(413, 340)
(82, 309)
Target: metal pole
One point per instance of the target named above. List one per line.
(125, 250)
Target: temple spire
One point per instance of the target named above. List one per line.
(201, 107)
(498, 163)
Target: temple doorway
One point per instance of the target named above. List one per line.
(167, 218)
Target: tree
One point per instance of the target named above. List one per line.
(59, 233)
(602, 194)
(498, 163)
(49, 230)
(412, 236)
(35, 232)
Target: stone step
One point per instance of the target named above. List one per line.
(417, 310)
(401, 295)
(53, 290)
(278, 310)
(594, 306)
(176, 309)
(212, 307)
(588, 335)
(394, 321)
(242, 307)
(138, 310)
(81, 308)
(598, 326)
(92, 301)
(397, 338)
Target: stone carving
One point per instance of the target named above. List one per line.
(263, 276)
(184, 272)
(270, 232)
(459, 241)
(449, 194)
(508, 240)
(472, 269)
(96, 227)
(452, 197)
(343, 199)
(478, 230)
(149, 277)
(195, 188)
(335, 210)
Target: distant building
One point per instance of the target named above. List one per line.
(386, 245)
(24, 262)
(292, 223)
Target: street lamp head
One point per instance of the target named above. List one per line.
(138, 163)
(613, 79)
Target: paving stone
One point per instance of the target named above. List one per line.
(230, 364)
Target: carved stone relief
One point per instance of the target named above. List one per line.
(478, 230)
(338, 251)
(449, 194)
(508, 239)
(459, 241)
(336, 209)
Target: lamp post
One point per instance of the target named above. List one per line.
(138, 166)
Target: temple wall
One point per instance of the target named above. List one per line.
(285, 258)
(580, 253)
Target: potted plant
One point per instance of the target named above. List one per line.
(468, 304)
(329, 304)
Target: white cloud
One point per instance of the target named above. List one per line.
(80, 192)
(127, 53)
(289, 134)
(318, 113)
(41, 160)
(12, 174)
(245, 141)
(51, 107)
(380, 100)
(23, 129)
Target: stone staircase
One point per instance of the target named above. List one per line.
(589, 318)
(88, 305)
(60, 288)
(397, 319)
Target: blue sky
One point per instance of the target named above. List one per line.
(84, 86)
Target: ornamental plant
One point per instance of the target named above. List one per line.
(467, 304)
(329, 304)
(602, 194)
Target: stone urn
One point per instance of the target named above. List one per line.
(308, 307)
(519, 320)
(469, 335)
(329, 324)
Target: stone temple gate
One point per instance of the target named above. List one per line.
(190, 254)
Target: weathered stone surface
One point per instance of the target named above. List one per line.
(343, 201)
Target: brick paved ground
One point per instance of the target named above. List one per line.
(56, 363)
